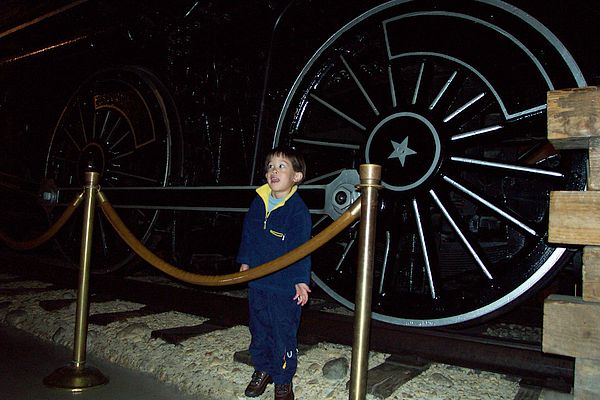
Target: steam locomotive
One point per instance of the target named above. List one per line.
(174, 103)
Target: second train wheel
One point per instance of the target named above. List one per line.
(123, 123)
(449, 97)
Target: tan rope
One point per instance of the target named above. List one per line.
(44, 237)
(229, 279)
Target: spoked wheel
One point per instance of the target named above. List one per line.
(123, 124)
(450, 100)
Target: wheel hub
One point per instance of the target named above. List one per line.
(408, 147)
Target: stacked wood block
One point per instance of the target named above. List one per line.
(572, 324)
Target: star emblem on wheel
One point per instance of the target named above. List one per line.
(401, 151)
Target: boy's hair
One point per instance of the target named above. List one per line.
(297, 160)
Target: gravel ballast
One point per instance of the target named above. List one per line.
(205, 365)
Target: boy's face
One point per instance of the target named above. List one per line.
(281, 176)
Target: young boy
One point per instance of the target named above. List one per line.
(277, 222)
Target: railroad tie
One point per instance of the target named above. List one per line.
(58, 304)
(108, 318)
(181, 333)
(395, 371)
(25, 290)
(528, 392)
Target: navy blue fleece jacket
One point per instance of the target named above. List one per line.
(266, 236)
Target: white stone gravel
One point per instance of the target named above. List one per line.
(204, 364)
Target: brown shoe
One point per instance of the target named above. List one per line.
(258, 384)
(284, 392)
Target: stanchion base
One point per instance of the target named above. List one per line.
(75, 378)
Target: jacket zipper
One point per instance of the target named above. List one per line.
(274, 233)
(278, 234)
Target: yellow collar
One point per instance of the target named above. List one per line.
(264, 192)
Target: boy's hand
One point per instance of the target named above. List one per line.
(302, 291)
(244, 267)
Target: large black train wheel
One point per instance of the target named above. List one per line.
(122, 122)
(449, 97)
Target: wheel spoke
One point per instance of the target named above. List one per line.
(319, 222)
(81, 120)
(476, 132)
(72, 139)
(386, 255)
(442, 90)
(113, 129)
(94, 119)
(392, 87)
(418, 84)
(103, 238)
(115, 144)
(424, 248)
(338, 112)
(322, 177)
(328, 144)
(504, 214)
(360, 86)
(464, 107)
(104, 124)
(141, 213)
(509, 167)
(67, 160)
(134, 176)
(116, 157)
(347, 248)
(470, 248)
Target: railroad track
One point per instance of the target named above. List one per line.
(411, 348)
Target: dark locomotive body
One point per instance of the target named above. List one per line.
(207, 87)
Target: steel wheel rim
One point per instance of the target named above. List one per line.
(123, 126)
(306, 89)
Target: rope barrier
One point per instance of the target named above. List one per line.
(44, 237)
(277, 264)
(298, 253)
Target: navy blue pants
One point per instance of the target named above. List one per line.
(274, 322)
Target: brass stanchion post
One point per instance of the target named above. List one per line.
(370, 176)
(77, 375)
